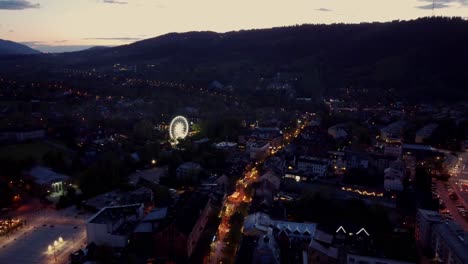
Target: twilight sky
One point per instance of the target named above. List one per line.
(64, 25)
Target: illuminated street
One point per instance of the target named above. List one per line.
(233, 202)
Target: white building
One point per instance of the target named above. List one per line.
(259, 223)
(112, 226)
(394, 176)
(313, 166)
(48, 180)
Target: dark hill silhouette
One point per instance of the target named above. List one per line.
(12, 48)
(419, 58)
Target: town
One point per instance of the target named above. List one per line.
(128, 180)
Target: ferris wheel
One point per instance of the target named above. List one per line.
(179, 128)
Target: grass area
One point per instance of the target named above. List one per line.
(22, 151)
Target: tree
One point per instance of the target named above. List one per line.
(55, 160)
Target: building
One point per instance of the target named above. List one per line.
(449, 243)
(393, 149)
(272, 135)
(425, 222)
(141, 195)
(394, 176)
(443, 240)
(356, 159)
(337, 161)
(357, 259)
(267, 250)
(112, 226)
(48, 181)
(393, 130)
(178, 236)
(188, 171)
(313, 166)
(321, 249)
(338, 131)
(201, 144)
(148, 177)
(258, 224)
(225, 145)
(259, 149)
(425, 133)
(23, 135)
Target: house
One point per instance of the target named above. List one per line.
(188, 171)
(338, 131)
(148, 177)
(272, 135)
(112, 226)
(201, 144)
(394, 176)
(393, 130)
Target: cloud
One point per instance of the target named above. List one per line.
(17, 5)
(323, 9)
(11, 31)
(60, 41)
(126, 39)
(32, 43)
(439, 4)
(435, 6)
(43, 47)
(114, 2)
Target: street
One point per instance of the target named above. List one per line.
(233, 202)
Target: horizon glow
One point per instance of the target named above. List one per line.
(57, 25)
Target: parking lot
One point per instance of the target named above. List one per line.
(30, 244)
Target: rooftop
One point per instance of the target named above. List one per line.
(430, 216)
(151, 175)
(44, 175)
(115, 213)
(455, 237)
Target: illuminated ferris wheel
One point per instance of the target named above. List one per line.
(179, 128)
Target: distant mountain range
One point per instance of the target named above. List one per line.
(423, 58)
(12, 48)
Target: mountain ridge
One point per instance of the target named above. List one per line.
(8, 47)
(421, 57)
